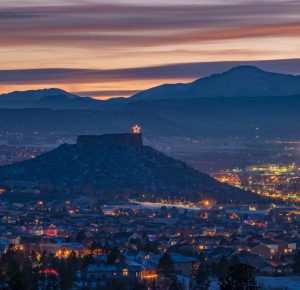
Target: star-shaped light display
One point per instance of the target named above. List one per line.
(136, 129)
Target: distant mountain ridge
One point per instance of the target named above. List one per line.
(231, 104)
(241, 81)
(46, 98)
(276, 117)
(119, 165)
(35, 95)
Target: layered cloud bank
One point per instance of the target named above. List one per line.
(144, 75)
(93, 39)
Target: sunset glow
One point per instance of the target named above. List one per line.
(105, 50)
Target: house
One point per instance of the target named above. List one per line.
(275, 269)
(124, 270)
(12, 238)
(287, 246)
(49, 244)
(272, 244)
(4, 245)
(216, 254)
(264, 251)
(182, 265)
(64, 250)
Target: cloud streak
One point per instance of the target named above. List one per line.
(146, 25)
(182, 71)
(88, 40)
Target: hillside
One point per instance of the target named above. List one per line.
(118, 164)
(242, 81)
(276, 117)
(46, 98)
(77, 122)
(225, 105)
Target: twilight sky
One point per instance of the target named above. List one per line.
(105, 48)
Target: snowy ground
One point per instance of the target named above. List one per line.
(286, 283)
(272, 283)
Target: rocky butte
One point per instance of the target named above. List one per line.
(113, 166)
(129, 139)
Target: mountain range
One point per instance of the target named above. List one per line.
(241, 81)
(45, 98)
(118, 165)
(231, 104)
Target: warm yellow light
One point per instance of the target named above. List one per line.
(206, 202)
(125, 272)
(136, 129)
(154, 276)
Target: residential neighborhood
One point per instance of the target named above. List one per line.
(126, 242)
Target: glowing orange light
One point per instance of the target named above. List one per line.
(136, 129)
(146, 277)
(206, 202)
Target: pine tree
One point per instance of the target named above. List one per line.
(113, 256)
(80, 236)
(296, 265)
(65, 275)
(239, 277)
(166, 270)
(222, 267)
(202, 278)
(175, 285)
(165, 265)
(234, 260)
(139, 286)
(16, 282)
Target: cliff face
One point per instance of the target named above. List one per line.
(114, 165)
(111, 139)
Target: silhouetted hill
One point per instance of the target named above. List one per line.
(119, 165)
(86, 121)
(35, 95)
(276, 117)
(242, 81)
(230, 104)
(46, 98)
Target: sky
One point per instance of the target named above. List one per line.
(115, 48)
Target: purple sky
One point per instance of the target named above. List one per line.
(103, 49)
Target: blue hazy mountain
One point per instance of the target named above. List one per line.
(276, 117)
(35, 95)
(118, 165)
(242, 81)
(230, 104)
(46, 98)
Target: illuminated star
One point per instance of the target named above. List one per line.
(136, 129)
